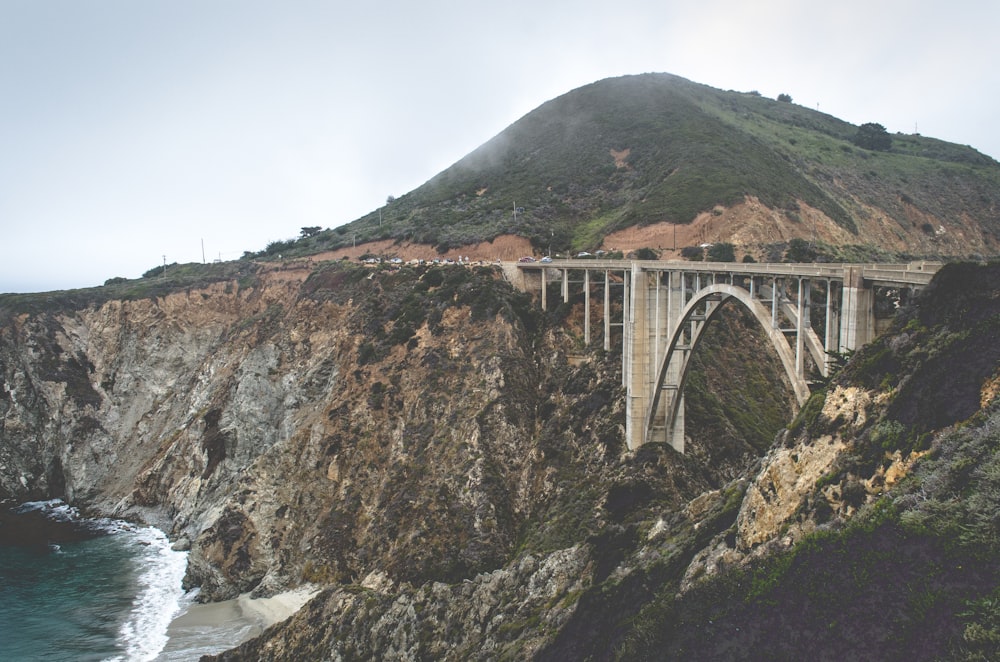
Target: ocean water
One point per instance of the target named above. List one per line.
(106, 595)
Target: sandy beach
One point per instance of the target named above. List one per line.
(208, 628)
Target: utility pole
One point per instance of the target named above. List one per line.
(164, 274)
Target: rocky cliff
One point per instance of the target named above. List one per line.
(319, 425)
(443, 461)
(285, 430)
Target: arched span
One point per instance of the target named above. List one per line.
(722, 294)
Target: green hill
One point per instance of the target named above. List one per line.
(641, 150)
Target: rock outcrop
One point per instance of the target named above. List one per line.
(279, 429)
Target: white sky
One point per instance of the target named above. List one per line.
(131, 130)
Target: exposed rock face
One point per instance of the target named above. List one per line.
(789, 474)
(245, 421)
(505, 614)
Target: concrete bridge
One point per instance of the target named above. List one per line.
(807, 311)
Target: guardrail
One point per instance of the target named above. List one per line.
(908, 273)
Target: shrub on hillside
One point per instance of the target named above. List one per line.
(693, 253)
(873, 136)
(158, 270)
(722, 252)
(800, 250)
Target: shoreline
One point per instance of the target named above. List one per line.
(212, 627)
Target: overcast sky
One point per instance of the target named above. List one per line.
(131, 130)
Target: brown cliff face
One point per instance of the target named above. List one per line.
(287, 430)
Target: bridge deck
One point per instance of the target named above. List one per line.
(665, 305)
(889, 274)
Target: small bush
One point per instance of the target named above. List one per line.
(376, 396)
(693, 253)
(722, 252)
(366, 353)
(800, 250)
(873, 136)
(159, 270)
(809, 417)
(278, 247)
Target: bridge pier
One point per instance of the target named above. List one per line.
(802, 322)
(831, 335)
(671, 389)
(857, 326)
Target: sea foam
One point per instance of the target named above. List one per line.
(144, 633)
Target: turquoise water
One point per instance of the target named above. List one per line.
(107, 598)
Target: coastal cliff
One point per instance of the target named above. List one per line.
(279, 429)
(446, 464)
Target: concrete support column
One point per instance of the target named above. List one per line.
(565, 286)
(544, 290)
(776, 287)
(830, 329)
(586, 307)
(627, 329)
(635, 370)
(607, 310)
(802, 324)
(657, 323)
(671, 382)
(857, 321)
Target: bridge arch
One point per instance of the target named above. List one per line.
(692, 321)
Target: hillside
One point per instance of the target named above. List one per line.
(891, 551)
(658, 161)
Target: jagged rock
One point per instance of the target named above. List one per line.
(789, 474)
(507, 613)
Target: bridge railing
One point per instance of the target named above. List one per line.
(655, 310)
(904, 273)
